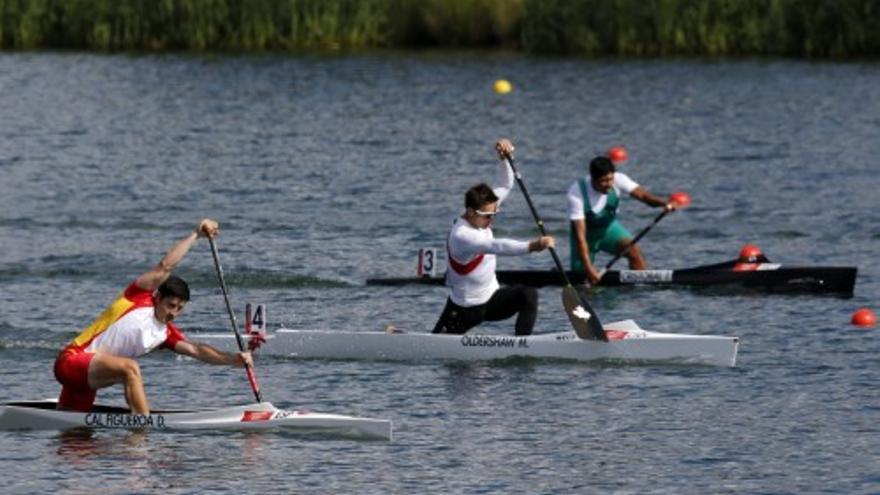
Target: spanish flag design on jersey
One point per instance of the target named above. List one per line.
(127, 328)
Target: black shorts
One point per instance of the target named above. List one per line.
(505, 302)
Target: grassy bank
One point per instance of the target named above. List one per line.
(812, 28)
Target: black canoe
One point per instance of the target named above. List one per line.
(762, 276)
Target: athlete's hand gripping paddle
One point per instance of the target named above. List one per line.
(581, 315)
(680, 199)
(252, 378)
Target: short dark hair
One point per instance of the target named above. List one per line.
(600, 167)
(479, 196)
(174, 286)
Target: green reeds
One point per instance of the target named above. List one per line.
(813, 28)
(467, 23)
(825, 28)
(191, 24)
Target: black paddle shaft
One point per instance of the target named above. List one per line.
(638, 236)
(538, 220)
(249, 369)
(575, 303)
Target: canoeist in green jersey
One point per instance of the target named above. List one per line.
(592, 209)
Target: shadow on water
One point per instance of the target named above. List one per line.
(150, 462)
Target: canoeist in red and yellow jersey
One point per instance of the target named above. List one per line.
(137, 322)
(475, 295)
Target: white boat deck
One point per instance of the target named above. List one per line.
(42, 415)
(628, 344)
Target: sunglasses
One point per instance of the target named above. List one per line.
(489, 214)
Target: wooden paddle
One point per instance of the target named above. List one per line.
(581, 315)
(682, 199)
(252, 378)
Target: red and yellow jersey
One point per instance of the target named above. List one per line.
(128, 328)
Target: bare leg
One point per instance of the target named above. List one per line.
(634, 255)
(106, 370)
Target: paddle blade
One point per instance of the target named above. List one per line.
(582, 317)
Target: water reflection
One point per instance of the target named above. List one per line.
(83, 445)
(145, 461)
(474, 383)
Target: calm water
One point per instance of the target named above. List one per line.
(327, 171)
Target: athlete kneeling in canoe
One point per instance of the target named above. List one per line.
(592, 209)
(475, 295)
(137, 322)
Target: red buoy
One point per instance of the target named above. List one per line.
(618, 155)
(680, 198)
(750, 253)
(864, 317)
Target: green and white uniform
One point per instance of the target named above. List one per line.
(604, 232)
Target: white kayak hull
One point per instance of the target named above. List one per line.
(42, 415)
(629, 344)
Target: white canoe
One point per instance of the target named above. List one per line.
(628, 344)
(42, 415)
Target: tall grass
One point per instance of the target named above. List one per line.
(703, 27)
(813, 28)
(191, 24)
(471, 23)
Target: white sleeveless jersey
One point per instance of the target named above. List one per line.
(127, 328)
(622, 184)
(135, 334)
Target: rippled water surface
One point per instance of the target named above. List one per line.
(324, 171)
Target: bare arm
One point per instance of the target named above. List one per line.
(642, 194)
(154, 278)
(583, 251)
(211, 355)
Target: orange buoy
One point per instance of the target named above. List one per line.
(680, 198)
(750, 253)
(750, 257)
(864, 317)
(618, 155)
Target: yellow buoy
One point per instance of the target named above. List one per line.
(502, 87)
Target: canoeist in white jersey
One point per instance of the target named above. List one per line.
(592, 209)
(475, 295)
(136, 323)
